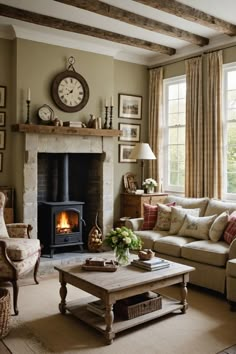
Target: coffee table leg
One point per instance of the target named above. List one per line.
(109, 318)
(63, 293)
(184, 293)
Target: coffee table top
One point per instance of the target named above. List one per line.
(124, 277)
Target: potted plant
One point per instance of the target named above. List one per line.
(150, 184)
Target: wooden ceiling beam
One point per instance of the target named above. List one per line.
(131, 18)
(191, 14)
(53, 22)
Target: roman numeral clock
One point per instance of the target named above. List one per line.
(70, 90)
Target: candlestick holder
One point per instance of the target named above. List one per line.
(28, 112)
(110, 123)
(106, 118)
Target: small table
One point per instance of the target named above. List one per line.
(111, 287)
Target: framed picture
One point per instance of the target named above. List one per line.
(130, 132)
(2, 119)
(1, 161)
(3, 90)
(2, 139)
(124, 152)
(130, 106)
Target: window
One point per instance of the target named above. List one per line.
(229, 131)
(174, 134)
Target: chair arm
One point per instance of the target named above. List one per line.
(134, 224)
(19, 230)
(8, 269)
(232, 249)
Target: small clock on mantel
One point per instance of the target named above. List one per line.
(45, 114)
(70, 90)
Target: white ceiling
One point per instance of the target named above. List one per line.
(224, 9)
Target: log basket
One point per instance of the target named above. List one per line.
(5, 312)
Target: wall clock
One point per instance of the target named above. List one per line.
(70, 90)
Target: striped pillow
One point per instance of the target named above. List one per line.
(230, 231)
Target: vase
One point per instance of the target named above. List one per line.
(150, 189)
(122, 256)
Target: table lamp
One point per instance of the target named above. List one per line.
(142, 151)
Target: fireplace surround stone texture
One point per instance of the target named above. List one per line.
(49, 143)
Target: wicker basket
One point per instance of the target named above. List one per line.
(5, 312)
(137, 306)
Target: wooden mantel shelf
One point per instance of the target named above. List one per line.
(46, 129)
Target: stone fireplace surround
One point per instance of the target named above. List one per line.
(36, 143)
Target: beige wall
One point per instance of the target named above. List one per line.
(32, 64)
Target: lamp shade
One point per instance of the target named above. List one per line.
(142, 151)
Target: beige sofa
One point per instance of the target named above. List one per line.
(210, 257)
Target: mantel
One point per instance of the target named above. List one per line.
(46, 129)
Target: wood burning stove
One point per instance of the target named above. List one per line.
(60, 223)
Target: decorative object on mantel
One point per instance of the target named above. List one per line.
(45, 114)
(28, 106)
(150, 185)
(142, 151)
(122, 240)
(70, 90)
(106, 125)
(95, 237)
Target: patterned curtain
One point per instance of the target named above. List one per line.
(213, 127)
(194, 142)
(155, 126)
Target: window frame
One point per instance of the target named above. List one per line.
(226, 68)
(166, 83)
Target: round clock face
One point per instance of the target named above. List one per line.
(70, 91)
(45, 113)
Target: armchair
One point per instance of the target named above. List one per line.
(19, 254)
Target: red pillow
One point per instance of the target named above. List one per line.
(150, 215)
(230, 231)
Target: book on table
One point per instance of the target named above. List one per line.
(97, 307)
(151, 264)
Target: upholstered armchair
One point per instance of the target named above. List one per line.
(19, 254)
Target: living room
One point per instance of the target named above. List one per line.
(30, 60)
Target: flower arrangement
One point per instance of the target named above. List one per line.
(149, 182)
(121, 240)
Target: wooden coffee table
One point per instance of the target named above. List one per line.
(111, 287)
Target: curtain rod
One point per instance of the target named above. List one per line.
(191, 57)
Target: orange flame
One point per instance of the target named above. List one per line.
(63, 222)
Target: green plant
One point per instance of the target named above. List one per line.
(121, 238)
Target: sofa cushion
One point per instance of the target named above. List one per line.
(21, 248)
(163, 217)
(197, 227)
(230, 231)
(177, 218)
(218, 226)
(171, 245)
(216, 206)
(231, 268)
(148, 237)
(189, 203)
(149, 216)
(206, 251)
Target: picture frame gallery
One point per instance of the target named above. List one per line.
(129, 106)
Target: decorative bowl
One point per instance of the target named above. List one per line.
(146, 254)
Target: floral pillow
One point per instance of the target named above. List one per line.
(177, 217)
(218, 226)
(163, 216)
(230, 231)
(197, 227)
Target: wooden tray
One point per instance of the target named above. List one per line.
(106, 268)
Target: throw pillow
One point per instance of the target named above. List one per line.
(163, 216)
(197, 227)
(218, 226)
(230, 231)
(150, 216)
(177, 217)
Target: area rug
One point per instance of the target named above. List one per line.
(206, 328)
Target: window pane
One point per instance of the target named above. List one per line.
(173, 135)
(173, 178)
(173, 92)
(231, 99)
(181, 105)
(231, 114)
(173, 119)
(231, 80)
(173, 106)
(181, 135)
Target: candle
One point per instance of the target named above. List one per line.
(106, 102)
(28, 94)
(112, 101)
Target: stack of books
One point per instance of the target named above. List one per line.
(152, 264)
(97, 307)
(73, 124)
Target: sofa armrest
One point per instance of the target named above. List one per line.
(232, 249)
(19, 230)
(7, 267)
(134, 224)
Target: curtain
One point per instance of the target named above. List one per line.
(213, 127)
(194, 140)
(155, 116)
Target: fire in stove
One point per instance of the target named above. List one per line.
(67, 222)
